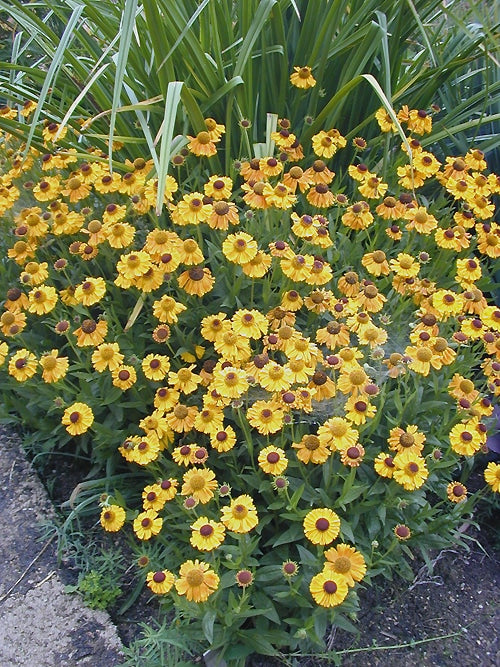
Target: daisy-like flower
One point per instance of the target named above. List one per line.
(78, 418)
(54, 367)
(358, 216)
(324, 145)
(147, 525)
(184, 380)
(492, 476)
(160, 582)
(273, 460)
(196, 581)
(207, 535)
(410, 470)
(112, 518)
(465, 439)
(191, 210)
(124, 377)
(196, 281)
(153, 497)
(456, 492)
(202, 144)
(167, 309)
(405, 265)
(181, 419)
(91, 333)
(359, 410)
(168, 489)
(230, 382)
(302, 77)
(107, 356)
(42, 299)
(352, 456)
(328, 588)
(239, 248)
(200, 484)
(224, 439)
(406, 440)
(311, 450)
(155, 366)
(402, 532)
(338, 433)
(258, 266)
(347, 561)
(321, 526)
(384, 465)
(384, 120)
(249, 323)
(265, 417)
(240, 516)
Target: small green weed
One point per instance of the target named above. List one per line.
(98, 590)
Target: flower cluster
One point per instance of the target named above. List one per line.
(298, 362)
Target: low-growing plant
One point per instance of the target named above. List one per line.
(99, 591)
(294, 364)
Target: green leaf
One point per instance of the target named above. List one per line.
(291, 535)
(167, 130)
(207, 625)
(126, 31)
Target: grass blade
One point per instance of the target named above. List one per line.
(171, 104)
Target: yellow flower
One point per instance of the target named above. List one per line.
(112, 518)
(384, 465)
(406, 440)
(207, 535)
(328, 588)
(153, 497)
(147, 524)
(456, 492)
(182, 418)
(167, 309)
(91, 333)
(22, 365)
(465, 439)
(223, 440)
(54, 367)
(202, 144)
(196, 581)
(239, 248)
(273, 460)
(196, 281)
(240, 516)
(265, 417)
(492, 476)
(107, 356)
(155, 366)
(301, 77)
(199, 483)
(42, 299)
(346, 561)
(321, 526)
(160, 582)
(91, 291)
(78, 418)
(124, 377)
(184, 380)
(191, 210)
(311, 450)
(410, 470)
